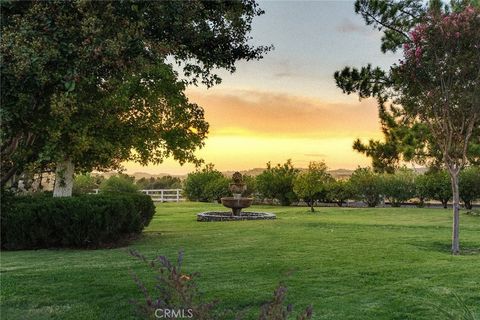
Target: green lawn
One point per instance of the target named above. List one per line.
(382, 263)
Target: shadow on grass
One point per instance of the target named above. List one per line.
(466, 248)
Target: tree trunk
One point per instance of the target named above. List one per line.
(311, 206)
(468, 205)
(445, 202)
(456, 213)
(7, 176)
(64, 179)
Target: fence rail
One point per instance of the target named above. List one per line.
(161, 195)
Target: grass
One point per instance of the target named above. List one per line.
(382, 263)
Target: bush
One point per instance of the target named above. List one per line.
(367, 186)
(277, 183)
(119, 184)
(86, 221)
(206, 185)
(177, 290)
(399, 186)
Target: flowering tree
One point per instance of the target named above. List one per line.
(429, 103)
(438, 84)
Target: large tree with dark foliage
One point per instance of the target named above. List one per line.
(430, 102)
(89, 84)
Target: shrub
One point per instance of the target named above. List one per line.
(277, 183)
(86, 221)
(173, 290)
(206, 185)
(119, 184)
(470, 185)
(399, 186)
(367, 186)
(177, 290)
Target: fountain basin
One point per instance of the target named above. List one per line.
(227, 216)
(236, 203)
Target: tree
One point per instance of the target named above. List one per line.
(310, 184)
(251, 184)
(217, 188)
(119, 184)
(439, 85)
(339, 191)
(206, 185)
(277, 182)
(435, 185)
(165, 182)
(470, 185)
(434, 89)
(367, 186)
(86, 183)
(399, 186)
(87, 85)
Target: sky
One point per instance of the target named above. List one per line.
(286, 106)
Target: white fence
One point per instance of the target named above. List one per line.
(165, 195)
(161, 195)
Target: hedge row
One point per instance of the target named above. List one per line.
(87, 221)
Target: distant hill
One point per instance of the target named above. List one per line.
(336, 173)
(341, 173)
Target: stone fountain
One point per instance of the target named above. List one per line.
(236, 203)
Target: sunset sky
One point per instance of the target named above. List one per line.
(287, 105)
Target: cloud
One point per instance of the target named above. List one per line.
(283, 75)
(258, 113)
(348, 26)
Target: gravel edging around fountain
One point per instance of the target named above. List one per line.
(211, 216)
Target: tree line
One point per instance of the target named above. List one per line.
(285, 184)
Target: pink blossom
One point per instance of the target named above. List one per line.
(418, 53)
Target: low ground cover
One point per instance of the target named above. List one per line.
(349, 263)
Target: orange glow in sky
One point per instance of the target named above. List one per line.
(249, 128)
(287, 106)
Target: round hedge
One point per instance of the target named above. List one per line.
(87, 221)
